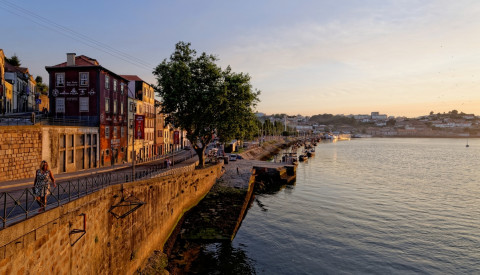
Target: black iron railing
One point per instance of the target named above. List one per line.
(19, 205)
(29, 119)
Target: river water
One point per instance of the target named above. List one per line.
(365, 206)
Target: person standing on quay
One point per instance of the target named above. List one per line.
(41, 188)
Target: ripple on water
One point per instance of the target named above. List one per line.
(372, 206)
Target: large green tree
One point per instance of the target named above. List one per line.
(203, 99)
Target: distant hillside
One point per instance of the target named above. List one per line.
(329, 119)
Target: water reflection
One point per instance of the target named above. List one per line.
(214, 258)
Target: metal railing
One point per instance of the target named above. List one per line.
(19, 205)
(15, 120)
(28, 119)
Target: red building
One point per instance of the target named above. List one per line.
(85, 93)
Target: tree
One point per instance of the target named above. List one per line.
(14, 60)
(238, 119)
(41, 87)
(202, 99)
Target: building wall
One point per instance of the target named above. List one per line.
(107, 106)
(2, 82)
(44, 244)
(70, 149)
(159, 121)
(22, 148)
(8, 97)
(20, 151)
(45, 102)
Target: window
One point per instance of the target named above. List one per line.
(115, 132)
(70, 156)
(71, 140)
(107, 105)
(107, 152)
(114, 106)
(107, 82)
(62, 141)
(159, 133)
(83, 79)
(122, 87)
(122, 130)
(60, 79)
(60, 105)
(132, 106)
(84, 106)
(114, 85)
(121, 108)
(107, 131)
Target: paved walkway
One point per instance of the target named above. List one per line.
(6, 186)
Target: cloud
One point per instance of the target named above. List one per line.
(388, 54)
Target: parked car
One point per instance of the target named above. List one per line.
(233, 157)
(239, 157)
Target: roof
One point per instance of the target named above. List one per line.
(80, 60)
(10, 68)
(132, 77)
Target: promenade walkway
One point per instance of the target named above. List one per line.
(17, 201)
(7, 186)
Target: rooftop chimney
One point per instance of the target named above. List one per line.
(71, 59)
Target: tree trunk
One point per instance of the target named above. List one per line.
(201, 156)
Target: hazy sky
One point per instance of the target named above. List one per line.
(307, 57)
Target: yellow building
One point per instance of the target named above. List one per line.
(8, 97)
(141, 101)
(2, 82)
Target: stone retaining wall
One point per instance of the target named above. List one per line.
(50, 243)
(20, 151)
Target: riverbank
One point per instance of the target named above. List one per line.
(218, 216)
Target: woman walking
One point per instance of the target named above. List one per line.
(41, 188)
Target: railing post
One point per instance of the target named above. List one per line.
(58, 194)
(5, 210)
(69, 192)
(26, 204)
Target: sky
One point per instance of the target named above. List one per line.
(400, 58)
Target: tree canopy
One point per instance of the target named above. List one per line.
(203, 99)
(14, 60)
(41, 87)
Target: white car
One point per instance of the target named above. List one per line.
(233, 157)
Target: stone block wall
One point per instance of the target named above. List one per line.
(20, 151)
(47, 243)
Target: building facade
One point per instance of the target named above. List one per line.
(159, 123)
(8, 98)
(143, 93)
(2, 83)
(83, 91)
(19, 78)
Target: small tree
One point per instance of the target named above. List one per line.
(203, 100)
(41, 87)
(14, 60)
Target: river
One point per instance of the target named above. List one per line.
(365, 206)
